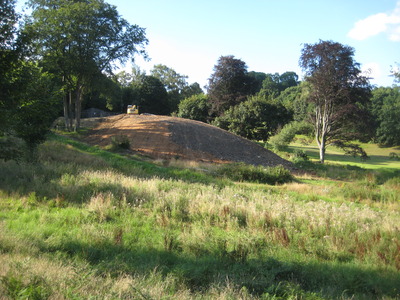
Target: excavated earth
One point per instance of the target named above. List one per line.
(170, 137)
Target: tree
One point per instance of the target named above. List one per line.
(174, 83)
(195, 107)
(153, 97)
(257, 79)
(294, 99)
(256, 118)
(386, 110)
(274, 84)
(78, 40)
(9, 55)
(229, 84)
(38, 106)
(338, 93)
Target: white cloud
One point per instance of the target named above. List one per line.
(388, 23)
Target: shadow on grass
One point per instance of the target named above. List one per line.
(258, 276)
(374, 160)
(57, 174)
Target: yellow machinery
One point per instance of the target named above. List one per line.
(133, 110)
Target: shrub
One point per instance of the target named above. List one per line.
(120, 142)
(256, 118)
(260, 174)
(300, 156)
(280, 141)
(195, 107)
(11, 148)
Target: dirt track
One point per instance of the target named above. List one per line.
(170, 137)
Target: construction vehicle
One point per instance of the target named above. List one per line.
(133, 110)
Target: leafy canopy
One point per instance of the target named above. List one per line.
(339, 92)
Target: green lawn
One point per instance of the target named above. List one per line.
(379, 157)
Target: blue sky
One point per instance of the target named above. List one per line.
(190, 35)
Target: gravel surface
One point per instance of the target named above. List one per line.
(170, 137)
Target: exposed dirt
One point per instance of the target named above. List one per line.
(169, 137)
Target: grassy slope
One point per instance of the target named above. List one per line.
(89, 223)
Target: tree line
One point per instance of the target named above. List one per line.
(62, 58)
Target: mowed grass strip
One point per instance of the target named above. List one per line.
(379, 157)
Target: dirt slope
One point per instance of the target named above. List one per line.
(170, 137)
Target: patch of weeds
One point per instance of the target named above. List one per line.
(16, 288)
(259, 174)
(289, 290)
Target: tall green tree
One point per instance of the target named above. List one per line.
(174, 83)
(229, 85)
(153, 97)
(274, 84)
(386, 110)
(9, 56)
(339, 93)
(77, 40)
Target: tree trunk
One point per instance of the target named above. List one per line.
(78, 108)
(322, 147)
(66, 115)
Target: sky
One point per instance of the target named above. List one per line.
(190, 35)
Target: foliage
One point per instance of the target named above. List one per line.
(274, 84)
(153, 98)
(78, 40)
(281, 141)
(196, 107)
(104, 94)
(339, 92)
(257, 118)
(257, 79)
(174, 83)
(9, 55)
(295, 100)
(11, 148)
(259, 174)
(229, 84)
(8, 19)
(385, 104)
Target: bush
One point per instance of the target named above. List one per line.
(256, 118)
(11, 148)
(195, 107)
(282, 140)
(260, 174)
(300, 156)
(119, 142)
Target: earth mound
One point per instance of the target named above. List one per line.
(170, 137)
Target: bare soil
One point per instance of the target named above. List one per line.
(170, 137)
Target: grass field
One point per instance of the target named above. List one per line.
(379, 157)
(84, 223)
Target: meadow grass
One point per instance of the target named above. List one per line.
(86, 223)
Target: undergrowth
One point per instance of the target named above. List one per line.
(86, 223)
